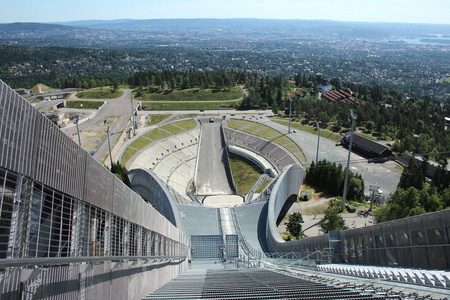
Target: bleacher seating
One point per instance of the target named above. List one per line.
(277, 155)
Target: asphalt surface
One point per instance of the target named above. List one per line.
(120, 107)
(211, 171)
(379, 174)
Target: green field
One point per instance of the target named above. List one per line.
(156, 134)
(186, 124)
(84, 104)
(189, 105)
(324, 133)
(245, 173)
(194, 95)
(140, 143)
(155, 119)
(127, 154)
(99, 93)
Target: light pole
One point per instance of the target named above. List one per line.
(78, 131)
(290, 107)
(348, 162)
(132, 116)
(372, 189)
(109, 146)
(318, 142)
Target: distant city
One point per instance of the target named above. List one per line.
(412, 58)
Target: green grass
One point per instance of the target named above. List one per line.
(195, 95)
(324, 133)
(99, 93)
(245, 173)
(263, 186)
(172, 128)
(156, 134)
(367, 136)
(268, 133)
(127, 155)
(186, 124)
(155, 119)
(189, 105)
(140, 143)
(84, 104)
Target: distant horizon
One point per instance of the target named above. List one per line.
(230, 18)
(370, 11)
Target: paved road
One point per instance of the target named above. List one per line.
(372, 173)
(211, 172)
(120, 107)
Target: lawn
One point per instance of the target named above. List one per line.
(186, 124)
(127, 154)
(324, 133)
(155, 119)
(245, 173)
(172, 128)
(189, 105)
(140, 143)
(156, 134)
(99, 93)
(84, 104)
(195, 94)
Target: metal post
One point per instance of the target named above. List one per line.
(348, 162)
(373, 189)
(290, 107)
(132, 116)
(109, 146)
(318, 142)
(78, 131)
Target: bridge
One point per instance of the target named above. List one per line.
(70, 229)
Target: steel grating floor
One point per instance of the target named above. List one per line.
(256, 283)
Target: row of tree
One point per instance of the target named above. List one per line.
(329, 177)
(415, 196)
(185, 80)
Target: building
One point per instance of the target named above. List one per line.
(341, 95)
(324, 86)
(366, 147)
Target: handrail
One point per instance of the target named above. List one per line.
(318, 251)
(23, 262)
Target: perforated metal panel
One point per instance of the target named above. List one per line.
(232, 246)
(207, 246)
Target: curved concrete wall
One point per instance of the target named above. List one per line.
(151, 189)
(287, 185)
(257, 159)
(420, 241)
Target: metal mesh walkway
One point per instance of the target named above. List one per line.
(252, 284)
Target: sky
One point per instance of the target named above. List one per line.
(403, 11)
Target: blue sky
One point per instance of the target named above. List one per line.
(408, 11)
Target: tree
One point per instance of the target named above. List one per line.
(294, 225)
(332, 220)
(370, 125)
(119, 170)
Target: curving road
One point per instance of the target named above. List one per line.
(379, 174)
(120, 107)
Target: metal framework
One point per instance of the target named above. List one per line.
(65, 219)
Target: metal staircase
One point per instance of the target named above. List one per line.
(254, 283)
